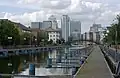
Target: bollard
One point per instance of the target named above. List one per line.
(70, 54)
(73, 70)
(81, 62)
(49, 62)
(31, 69)
(65, 55)
(58, 59)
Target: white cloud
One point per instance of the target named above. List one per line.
(87, 11)
(26, 1)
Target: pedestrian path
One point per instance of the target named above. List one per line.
(95, 67)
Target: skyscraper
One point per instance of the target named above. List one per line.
(75, 26)
(65, 25)
(54, 21)
(46, 24)
(36, 25)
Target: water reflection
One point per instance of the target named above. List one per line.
(20, 63)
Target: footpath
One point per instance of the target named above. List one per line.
(95, 67)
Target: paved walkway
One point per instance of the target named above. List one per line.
(95, 67)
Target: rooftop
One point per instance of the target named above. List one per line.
(50, 29)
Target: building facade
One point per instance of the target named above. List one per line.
(36, 25)
(53, 34)
(46, 24)
(95, 28)
(98, 32)
(52, 18)
(65, 25)
(75, 26)
(75, 35)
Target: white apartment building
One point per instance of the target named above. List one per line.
(53, 34)
(52, 18)
(65, 25)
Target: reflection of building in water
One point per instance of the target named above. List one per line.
(66, 70)
(65, 50)
(52, 54)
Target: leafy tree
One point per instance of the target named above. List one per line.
(42, 35)
(51, 41)
(113, 31)
(70, 39)
(58, 41)
(8, 29)
(26, 38)
(62, 41)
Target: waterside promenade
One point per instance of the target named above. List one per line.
(95, 66)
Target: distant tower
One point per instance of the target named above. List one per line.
(75, 25)
(54, 21)
(65, 25)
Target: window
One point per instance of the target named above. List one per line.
(53, 35)
(50, 35)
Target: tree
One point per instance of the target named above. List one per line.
(70, 39)
(113, 31)
(50, 42)
(42, 35)
(62, 41)
(58, 41)
(8, 29)
(26, 38)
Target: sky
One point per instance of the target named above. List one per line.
(87, 11)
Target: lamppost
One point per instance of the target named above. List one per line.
(35, 42)
(24, 40)
(43, 41)
(9, 40)
(85, 43)
(116, 44)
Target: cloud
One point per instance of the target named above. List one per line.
(51, 4)
(26, 1)
(87, 11)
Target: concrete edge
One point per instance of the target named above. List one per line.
(107, 64)
(82, 65)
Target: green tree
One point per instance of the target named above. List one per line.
(113, 31)
(58, 41)
(26, 38)
(62, 41)
(42, 37)
(8, 29)
(50, 42)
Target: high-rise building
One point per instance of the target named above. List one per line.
(52, 18)
(95, 28)
(36, 25)
(97, 31)
(75, 25)
(75, 35)
(65, 25)
(46, 24)
(53, 34)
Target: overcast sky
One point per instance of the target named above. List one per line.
(87, 11)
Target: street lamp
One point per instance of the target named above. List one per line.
(116, 44)
(24, 38)
(35, 41)
(9, 40)
(43, 41)
(24, 41)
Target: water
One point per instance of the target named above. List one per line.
(16, 63)
(20, 63)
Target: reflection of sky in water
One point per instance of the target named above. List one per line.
(56, 71)
(49, 71)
